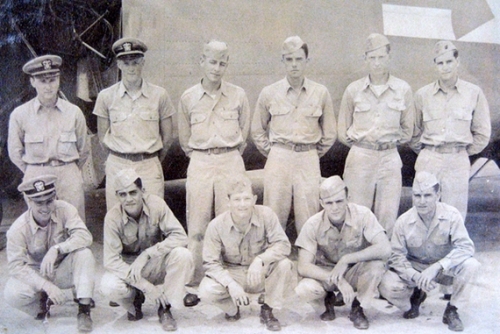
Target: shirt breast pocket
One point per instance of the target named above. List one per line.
(230, 115)
(117, 117)
(275, 110)
(34, 145)
(66, 146)
(415, 242)
(463, 114)
(197, 118)
(313, 112)
(129, 236)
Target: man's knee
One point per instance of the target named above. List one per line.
(18, 294)
(391, 284)
(469, 268)
(84, 256)
(113, 287)
(284, 267)
(211, 290)
(309, 289)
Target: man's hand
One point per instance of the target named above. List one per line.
(255, 275)
(338, 272)
(134, 272)
(48, 262)
(55, 294)
(425, 280)
(347, 291)
(157, 294)
(238, 295)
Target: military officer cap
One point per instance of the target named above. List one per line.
(125, 178)
(291, 44)
(331, 186)
(129, 46)
(216, 50)
(38, 188)
(45, 65)
(424, 180)
(375, 41)
(442, 47)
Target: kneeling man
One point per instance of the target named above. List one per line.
(430, 245)
(145, 253)
(47, 250)
(341, 248)
(245, 251)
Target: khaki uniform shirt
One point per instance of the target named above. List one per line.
(282, 118)
(218, 121)
(415, 247)
(319, 237)
(224, 246)
(461, 117)
(157, 232)
(134, 122)
(376, 119)
(38, 134)
(27, 242)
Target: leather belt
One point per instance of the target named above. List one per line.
(54, 163)
(135, 156)
(217, 150)
(446, 149)
(296, 147)
(376, 147)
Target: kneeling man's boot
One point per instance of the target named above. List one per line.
(166, 318)
(416, 299)
(329, 314)
(357, 316)
(267, 317)
(83, 318)
(451, 318)
(138, 301)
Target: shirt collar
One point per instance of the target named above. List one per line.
(145, 210)
(254, 220)
(38, 105)
(441, 214)
(145, 89)
(458, 85)
(325, 222)
(306, 86)
(200, 91)
(391, 82)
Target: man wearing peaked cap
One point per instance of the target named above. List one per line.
(376, 115)
(430, 245)
(293, 125)
(214, 121)
(134, 121)
(48, 135)
(145, 253)
(452, 123)
(47, 251)
(342, 248)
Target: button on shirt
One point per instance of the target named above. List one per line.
(366, 116)
(218, 121)
(134, 121)
(460, 117)
(27, 242)
(225, 246)
(282, 116)
(156, 232)
(319, 237)
(39, 134)
(415, 247)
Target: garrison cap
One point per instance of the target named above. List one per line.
(331, 186)
(291, 44)
(216, 49)
(424, 180)
(125, 178)
(442, 47)
(38, 187)
(43, 65)
(129, 46)
(375, 41)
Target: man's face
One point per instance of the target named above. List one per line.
(131, 200)
(42, 209)
(214, 67)
(46, 86)
(131, 68)
(295, 64)
(335, 206)
(447, 66)
(241, 204)
(425, 200)
(378, 61)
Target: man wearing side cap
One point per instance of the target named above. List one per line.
(48, 135)
(293, 126)
(452, 123)
(214, 121)
(134, 122)
(342, 248)
(376, 115)
(47, 251)
(145, 253)
(430, 245)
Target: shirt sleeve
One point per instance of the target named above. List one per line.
(101, 107)
(345, 117)
(463, 247)
(480, 126)
(244, 121)
(212, 256)
(418, 126)
(112, 248)
(79, 235)
(15, 142)
(166, 107)
(82, 139)
(279, 245)
(328, 125)
(184, 126)
(407, 117)
(260, 124)
(307, 239)
(398, 260)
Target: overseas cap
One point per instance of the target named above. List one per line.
(125, 178)
(375, 41)
(424, 180)
(48, 64)
(291, 44)
(442, 47)
(331, 186)
(37, 187)
(129, 46)
(216, 49)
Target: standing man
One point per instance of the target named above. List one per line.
(452, 122)
(134, 122)
(47, 251)
(376, 115)
(145, 252)
(246, 250)
(293, 126)
(48, 135)
(214, 120)
(430, 245)
(341, 248)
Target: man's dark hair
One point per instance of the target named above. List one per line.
(306, 49)
(138, 183)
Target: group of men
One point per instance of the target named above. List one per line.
(233, 246)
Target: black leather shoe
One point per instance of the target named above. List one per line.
(451, 318)
(267, 317)
(329, 313)
(138, 301)
(84, 322)
(191, 300)
(113, 304)
(233, 318)
(416, 299)
(166, 319)
(92, 302)
(339, 300)
(43, 307)
(357, 316)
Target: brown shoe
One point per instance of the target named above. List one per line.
(167, 321)
(329, 314)
(267, 317)
(357, 316)
(451, 318)
(416, 299)
(138, 301)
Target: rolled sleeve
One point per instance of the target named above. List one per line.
(260, 124)
(345, 117)
(307, 238)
